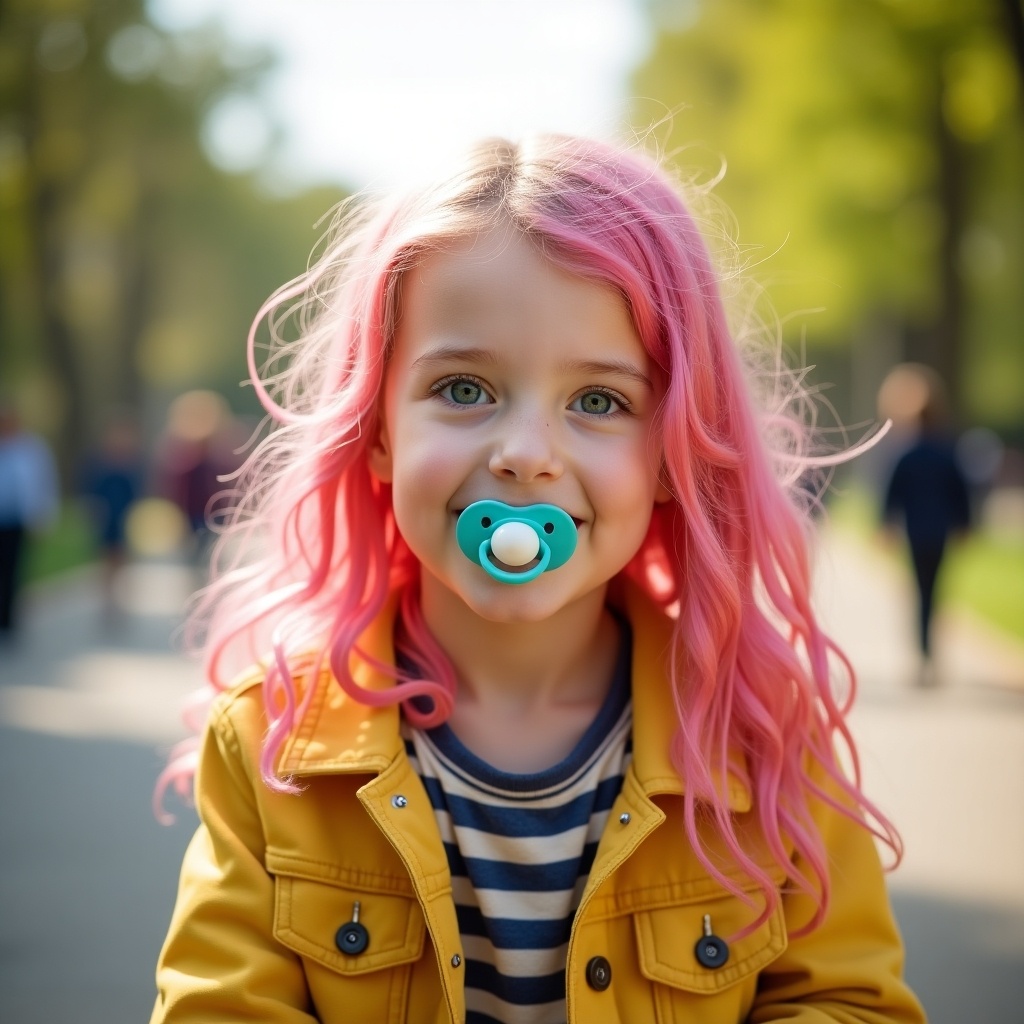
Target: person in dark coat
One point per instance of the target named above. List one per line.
(927, 489)
(111, 482)
(28, 502)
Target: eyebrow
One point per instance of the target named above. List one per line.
(611, 368)
(443, 353)
(599, 367)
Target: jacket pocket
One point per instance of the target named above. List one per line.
(371, 986)
(667, 939)
(308, 915)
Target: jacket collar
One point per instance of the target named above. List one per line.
(338, 734)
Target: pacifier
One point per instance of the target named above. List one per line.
(516, 536)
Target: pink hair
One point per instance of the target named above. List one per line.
(750, 668)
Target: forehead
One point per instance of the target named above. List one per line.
(498, 283)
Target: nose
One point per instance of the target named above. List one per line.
(526, 449)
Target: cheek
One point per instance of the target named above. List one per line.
(629, 505)
(625, 491)
(428, 467)
(629, 471)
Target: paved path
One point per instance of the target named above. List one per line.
(87, 876)
(86, 717)
(947, 764)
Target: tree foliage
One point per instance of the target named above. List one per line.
(874, 155)
(130, 265)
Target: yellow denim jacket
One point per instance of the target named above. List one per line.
(269, 879)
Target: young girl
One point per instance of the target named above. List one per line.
(546, 730)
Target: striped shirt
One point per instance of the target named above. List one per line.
(520, 848)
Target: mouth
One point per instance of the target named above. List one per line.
(505, 567)
(576, 521)
(498, 537)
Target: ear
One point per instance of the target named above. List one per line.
(379, 456)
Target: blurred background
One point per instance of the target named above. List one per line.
(165, 165)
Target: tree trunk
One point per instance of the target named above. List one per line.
(137, 274)
(56, 334)
(950, 328)
(1014, 17)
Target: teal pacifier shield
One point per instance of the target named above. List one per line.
(556, 534)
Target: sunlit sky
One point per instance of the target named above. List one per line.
(379, 92)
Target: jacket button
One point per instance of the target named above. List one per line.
(399, 801)
(599, 973)
(711, 951)
(352, 938)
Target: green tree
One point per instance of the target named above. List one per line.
(875, 150)
(130, 265)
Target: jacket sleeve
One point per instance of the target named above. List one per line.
(220, 961)
(850, 968)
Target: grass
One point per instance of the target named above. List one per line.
(984, 573)
(67, 545)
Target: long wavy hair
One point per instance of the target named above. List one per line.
(749, 668)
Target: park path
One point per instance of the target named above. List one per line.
(87, 715)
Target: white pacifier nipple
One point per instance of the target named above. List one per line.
(515, 543)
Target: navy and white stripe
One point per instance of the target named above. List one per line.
(520, 848)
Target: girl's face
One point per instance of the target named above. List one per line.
(514, 380)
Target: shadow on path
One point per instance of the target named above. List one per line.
(87, 879)
(964, 959)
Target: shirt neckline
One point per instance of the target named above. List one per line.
(615, 704)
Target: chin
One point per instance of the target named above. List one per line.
(489, 600)
(511, 604)
(515, 616)
(532, 602)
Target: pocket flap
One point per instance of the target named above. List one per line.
(308, 914)
(667, 939)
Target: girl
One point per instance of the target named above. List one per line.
(479, 778)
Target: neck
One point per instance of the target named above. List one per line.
(523, 666)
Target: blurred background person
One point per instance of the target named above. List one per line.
(111, 484)
(927, 490)
(28, 502)
(195, 452)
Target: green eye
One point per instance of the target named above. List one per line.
(597, 403)
(465, 392)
